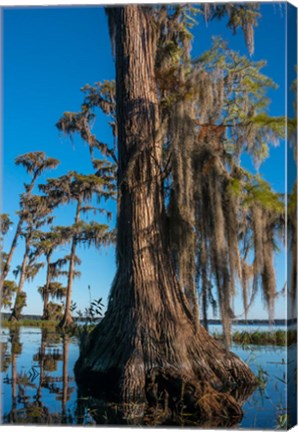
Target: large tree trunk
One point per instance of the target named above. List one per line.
(147, 347)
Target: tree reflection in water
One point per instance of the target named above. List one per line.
(28, 388)
(39, 388)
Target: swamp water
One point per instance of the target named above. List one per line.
(38, 384)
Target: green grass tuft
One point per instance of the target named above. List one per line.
(276, 338)
(28, 323)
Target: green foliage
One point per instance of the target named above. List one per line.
(54, 290)
(235, 187)
(282, 421)
(93, 313)
(74, 186)
(90, 316)
(44, 243)
(92, 233)
(73, 306)
(252, 189)
(82, 189)
(292, 200)
(102, 96)
(7, 292)
(260, 192)
(3, 260)
(216, 106)
(241, 15)
(5, 223)
(29, 323)
(275, 124)
(240, 100)
(54, 311)
(36, 162)
(262, 377)
(20, 303)
(258, 337)
(32, 270)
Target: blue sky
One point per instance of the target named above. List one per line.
(48, 55)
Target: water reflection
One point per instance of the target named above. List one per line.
(30, 388)
(39, 386)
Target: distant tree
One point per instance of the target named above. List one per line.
(101, 95)
(55, 310)
(45, 244)
(36, 212)
(80, 189)
(35, 164)
(9, 287)
(8, 290)
(5, 223)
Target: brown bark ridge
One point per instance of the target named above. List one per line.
(146, 348)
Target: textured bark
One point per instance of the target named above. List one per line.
(204, 276)
(147, 347)
(182, 203)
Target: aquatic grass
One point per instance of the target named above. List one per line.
(276, 338)
(282, 421)
(262, 377)
(29, 323)
(244, 338)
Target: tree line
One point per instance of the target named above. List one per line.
(42, 238)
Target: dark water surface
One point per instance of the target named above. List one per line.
(39, 386)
